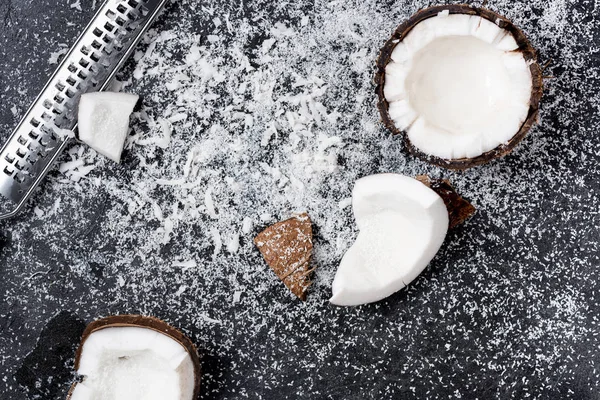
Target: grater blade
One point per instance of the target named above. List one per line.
(89, 66)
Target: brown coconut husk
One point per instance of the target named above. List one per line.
(459, 209)
(287, 248)
(139, 321)
(525, 48)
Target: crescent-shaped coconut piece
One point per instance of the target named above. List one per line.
(135, 357)
(403, 223)
(461, 83)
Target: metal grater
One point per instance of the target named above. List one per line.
(89, 66)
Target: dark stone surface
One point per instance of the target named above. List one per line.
(501, 332)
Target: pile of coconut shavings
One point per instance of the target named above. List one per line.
(245, 139)
(259, 117)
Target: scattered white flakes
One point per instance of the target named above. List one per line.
(55, 207)
(71, 165)
(236, 296)
(166, 129)
(55, 56)
(217, 241)
(185, 265)
(247, 225)
(167, 230)
(178, 117)
(268, 134)
(206, 318)
(345, 203)
(233, 246)
(76, 5)
(210, 204)
(180, 291)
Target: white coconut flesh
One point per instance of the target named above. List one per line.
(402, 226)
(131, 363)
(103, 120)
(457, 86)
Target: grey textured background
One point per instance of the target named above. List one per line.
(509, 309)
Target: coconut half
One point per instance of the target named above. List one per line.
(462, 83)
(134, 357)
(103, 121)
(403, 223)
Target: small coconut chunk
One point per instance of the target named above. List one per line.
(402, 225)
(457, 87)
(287, 248)
(103, 121)
(134, 363)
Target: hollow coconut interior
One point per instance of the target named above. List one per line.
(402, 224)
(458, 86)
(130, 363)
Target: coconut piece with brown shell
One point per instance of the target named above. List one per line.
(402, 224)
(135, 357)
(462, 83)
(287, 248)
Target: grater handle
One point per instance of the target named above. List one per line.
(90, 65)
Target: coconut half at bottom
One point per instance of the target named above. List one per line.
(462, 83)
(134, 357)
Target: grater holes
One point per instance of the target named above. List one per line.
(34, 122)
(84, 63)
(59, 99)
(94, 57)
(81, 75)
(33, 147)
(46, 117)
(133, 15)
(8, 171)
(33, 135)
(120, 21)
(19, 165)
(133, 3)
(72, 68)
(111, 14)
(60, 86)
(109, 27)
(20, 153)
(9, 158)
(47, 105)
(96, 45)
(70, 93)
(107, 39)
(97, 32)
(45, 141)
(85, 50)
(71, 81)
(22, 141)
(32, 158)
(20, 178)
(122, 9)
